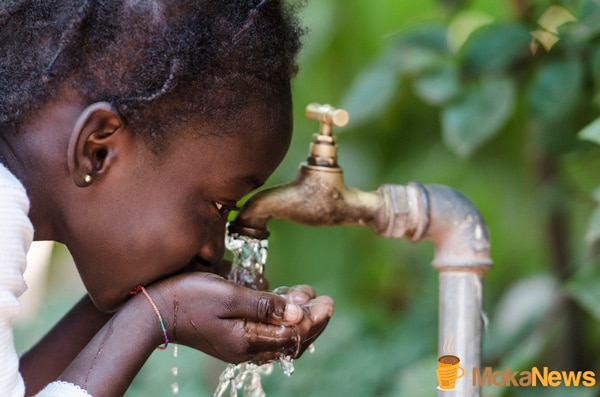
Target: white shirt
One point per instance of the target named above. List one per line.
(16, 234)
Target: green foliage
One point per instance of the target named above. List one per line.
(495, 48)
(554, 90)
(591, 132)
(478, 115)
(585, 288)
(379, 82)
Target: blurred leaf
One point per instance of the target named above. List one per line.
(464, 24)
(521, 308)
(546, 39)
(495, 48)
(555, 89)
(432, 37)
(419, 49)
(596, 195)
(554, 17)
(584, 287)
(593, 232)
(439, 85)
(372, 91)
(472, 120)
(588, 24)
(591, 132)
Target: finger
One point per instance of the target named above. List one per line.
(300, 294)
(317, 315)
(319, 308)
(262, 307)
(272, 341)
(281, 290)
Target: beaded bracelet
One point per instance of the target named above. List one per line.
(141, 289)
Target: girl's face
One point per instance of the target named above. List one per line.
(151, 216)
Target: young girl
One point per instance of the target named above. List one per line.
(128, 130)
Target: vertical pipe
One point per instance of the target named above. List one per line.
(460, 323)
(461, 256)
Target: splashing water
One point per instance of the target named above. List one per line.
(249, 258)
(244, 376)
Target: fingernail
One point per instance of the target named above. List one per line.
(292, 312)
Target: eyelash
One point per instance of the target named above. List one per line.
(224, 208)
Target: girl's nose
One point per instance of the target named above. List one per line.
(213, 250)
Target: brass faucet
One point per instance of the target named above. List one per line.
(318, 196)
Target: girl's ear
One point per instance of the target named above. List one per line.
(92, 143)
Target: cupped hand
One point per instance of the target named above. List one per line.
(314, 308)
(238, 324)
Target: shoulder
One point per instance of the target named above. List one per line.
(12, 192)
(9, 181)
(14, 211)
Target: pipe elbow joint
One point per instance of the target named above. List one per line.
(457, 230)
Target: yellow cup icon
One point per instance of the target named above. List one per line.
(448, 371)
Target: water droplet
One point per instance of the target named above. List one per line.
(287, 365)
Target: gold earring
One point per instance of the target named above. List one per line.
(87, 178)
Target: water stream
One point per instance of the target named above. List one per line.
(249, 258)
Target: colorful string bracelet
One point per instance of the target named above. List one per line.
(141, 289)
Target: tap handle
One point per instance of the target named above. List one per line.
(327, 114)
(323, 151)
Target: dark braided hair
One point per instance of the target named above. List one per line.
(180, 57)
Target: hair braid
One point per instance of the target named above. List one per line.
(164, 89)
(69, 34)
(252, 16)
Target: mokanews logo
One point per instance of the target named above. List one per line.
(449, 371)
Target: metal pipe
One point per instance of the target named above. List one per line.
(318, 196)
(462, 255)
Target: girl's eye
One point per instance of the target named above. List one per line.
(224, 208)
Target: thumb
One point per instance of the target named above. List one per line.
(265, 307)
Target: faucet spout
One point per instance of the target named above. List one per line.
(317, 196)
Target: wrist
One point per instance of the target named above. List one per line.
(169, 302)
(141, 290)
